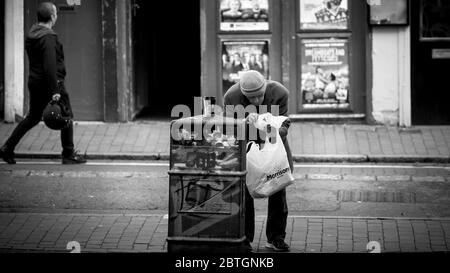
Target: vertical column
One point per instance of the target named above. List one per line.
(124, 67)
(14, 59)
(209, 76)
(110, 82)
(391, 92)
(405, 118)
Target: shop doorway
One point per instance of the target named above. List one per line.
(167, 66)
(430, 57)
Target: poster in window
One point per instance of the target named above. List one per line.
(323, 14)
(325, 73)
(435, 21)
(244, 15)
(388, 12)
(240, 56)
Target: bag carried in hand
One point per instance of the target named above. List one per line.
(56, 115)
(268, 169)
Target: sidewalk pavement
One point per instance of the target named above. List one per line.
(310, 142)
(34, 232)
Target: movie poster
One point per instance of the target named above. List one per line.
(325, 73)
(323, 14)
(240, 56)
(244, 15)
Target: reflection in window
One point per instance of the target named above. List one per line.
(435, 19)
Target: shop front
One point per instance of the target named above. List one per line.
(124, 61)
(317, 49)
(374, 61)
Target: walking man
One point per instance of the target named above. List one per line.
(254, 89)
(45, 83)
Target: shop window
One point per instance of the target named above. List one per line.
(324, 67)
(245, 31)
(325, 73)
(435, 20)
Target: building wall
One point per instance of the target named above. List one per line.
(14, 59)
(114, 49)
(391, 76)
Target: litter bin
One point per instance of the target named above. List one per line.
(207, 185)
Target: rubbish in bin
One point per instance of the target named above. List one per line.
(229, 162)
(191, 159)
(197, 194)
(206, 160)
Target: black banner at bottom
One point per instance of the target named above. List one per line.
(265, 262)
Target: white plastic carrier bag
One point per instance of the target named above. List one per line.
(268, 169)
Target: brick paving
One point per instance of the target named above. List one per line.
(147, 233)
(307, 140)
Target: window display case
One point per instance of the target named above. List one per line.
(206, 185)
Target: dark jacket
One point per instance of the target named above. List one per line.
(276, 94)
(46, 58)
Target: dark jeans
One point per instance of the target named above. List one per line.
(276, 216)
(39, 98)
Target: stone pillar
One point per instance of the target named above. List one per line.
(14, 59)
(391, 92)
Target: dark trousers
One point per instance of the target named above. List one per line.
(276, 216)
(277, 211)
(39, 98)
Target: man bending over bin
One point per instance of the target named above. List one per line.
(254, 89)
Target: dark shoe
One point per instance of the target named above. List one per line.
(7, 155)
(278, 245)
(74, 158)
(248, 247)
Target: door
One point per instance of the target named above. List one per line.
(430, 50)
(79, 28)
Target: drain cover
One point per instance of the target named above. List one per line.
(376, 196)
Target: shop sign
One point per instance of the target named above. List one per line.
(325, 73)
(441, 53)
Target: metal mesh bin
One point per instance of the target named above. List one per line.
(206, 185)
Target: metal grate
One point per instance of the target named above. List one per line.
(376, 196)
